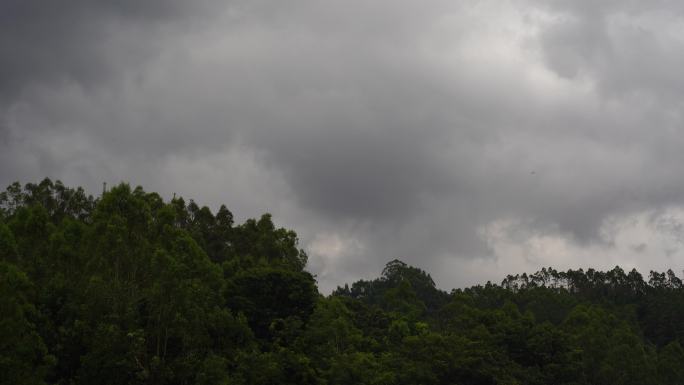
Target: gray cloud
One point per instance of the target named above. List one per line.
(76, 41)
(626, 47)
(455, 135)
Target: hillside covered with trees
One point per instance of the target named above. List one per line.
(127, 288)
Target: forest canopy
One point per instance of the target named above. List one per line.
(127, 288)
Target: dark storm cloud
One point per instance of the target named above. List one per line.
(471, 138)
(57, 41)
(51, 48)
(59, 60)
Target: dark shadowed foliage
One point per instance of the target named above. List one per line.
(127, 288)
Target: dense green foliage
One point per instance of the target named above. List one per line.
(130, 289)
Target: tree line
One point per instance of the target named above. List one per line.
(127, 288)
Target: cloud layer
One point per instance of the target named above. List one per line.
(471, 138)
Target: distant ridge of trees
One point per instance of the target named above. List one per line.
(577, 281)
(127, 288)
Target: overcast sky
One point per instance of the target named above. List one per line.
(469, 138)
